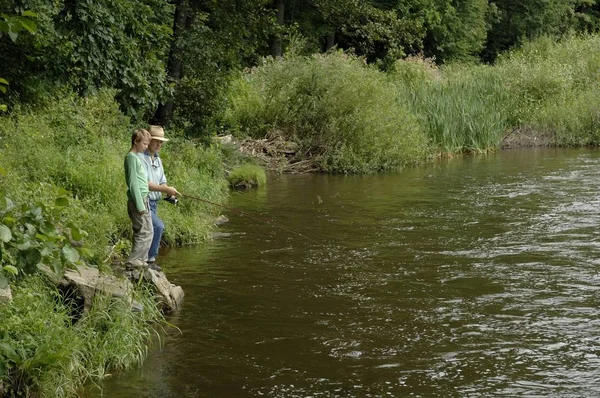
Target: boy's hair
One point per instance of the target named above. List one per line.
(139, 135)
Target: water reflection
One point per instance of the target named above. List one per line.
(472, 277)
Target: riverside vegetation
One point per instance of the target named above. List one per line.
(62, 204)
(63, 188)
(352, 117)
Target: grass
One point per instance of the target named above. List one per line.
(79, 144)
(247, 173)
(54, 356)
(349, 117)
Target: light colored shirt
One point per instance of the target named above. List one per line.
(155, 171)
(137, 181)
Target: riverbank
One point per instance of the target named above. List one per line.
(62, 205)
(344, 116)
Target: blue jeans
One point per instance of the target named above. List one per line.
(158, 226)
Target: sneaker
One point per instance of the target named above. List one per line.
(134, 264)
(154, 267)
(152, 260)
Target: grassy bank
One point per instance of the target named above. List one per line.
(43, 353)
(63, 201)
(350, 117)
(79, 145)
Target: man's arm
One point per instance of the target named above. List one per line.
(163, 188)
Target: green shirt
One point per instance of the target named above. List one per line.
(137, 181)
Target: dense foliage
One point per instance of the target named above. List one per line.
(43, 353)
(79, 145)
(172, 62)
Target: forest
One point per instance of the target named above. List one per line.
(172, 62)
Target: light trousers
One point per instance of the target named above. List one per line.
(142, 232)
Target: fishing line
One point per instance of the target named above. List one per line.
(246, 214)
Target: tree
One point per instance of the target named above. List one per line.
(520, 20)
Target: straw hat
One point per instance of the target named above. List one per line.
(157, 133)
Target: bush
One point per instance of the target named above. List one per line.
(546, 71)
(247, 173)
(343, 113)
(574, 120)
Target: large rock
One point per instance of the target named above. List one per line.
(86, 282)
(5, 295)
(169, 295)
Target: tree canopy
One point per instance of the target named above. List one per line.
(171, 60)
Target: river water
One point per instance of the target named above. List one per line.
(475, 276)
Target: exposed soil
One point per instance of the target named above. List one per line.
(526, 137)
(275, 153)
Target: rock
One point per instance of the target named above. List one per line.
(5, 295)
(225, 139)
(169, 294)
(87, 281)
(221, 220)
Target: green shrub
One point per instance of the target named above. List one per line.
(37, 233)
(343, 113)
(546, 71)
(247, 173)
(573, 120)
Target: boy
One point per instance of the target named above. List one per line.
(137, 200)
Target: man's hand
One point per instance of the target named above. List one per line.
(171, 191)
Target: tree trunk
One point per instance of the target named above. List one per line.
(174, 66)
(276, 47)
(330, 41)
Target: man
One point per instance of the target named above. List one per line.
(157, 183)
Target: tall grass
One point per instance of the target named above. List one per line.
(54, 357)
(343, 113)
(80, 144)
(555, 86)
(461, 109)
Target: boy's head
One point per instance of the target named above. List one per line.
(139, 135)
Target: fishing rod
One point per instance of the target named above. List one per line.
(242, 213)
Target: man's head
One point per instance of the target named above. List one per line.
(157, 135)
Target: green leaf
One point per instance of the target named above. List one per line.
(3, 81)
(2, 172)
(32, 258)
(3, 281)
(29, 14)
(11, 269)
(3, 89)
(61, 202)
(24, 245)
(62, 192)
(76, 233)
(71, 254)
(9, 352)
(29, 25)
(5, 234)
(3, 107)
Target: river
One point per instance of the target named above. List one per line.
(474, 276)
